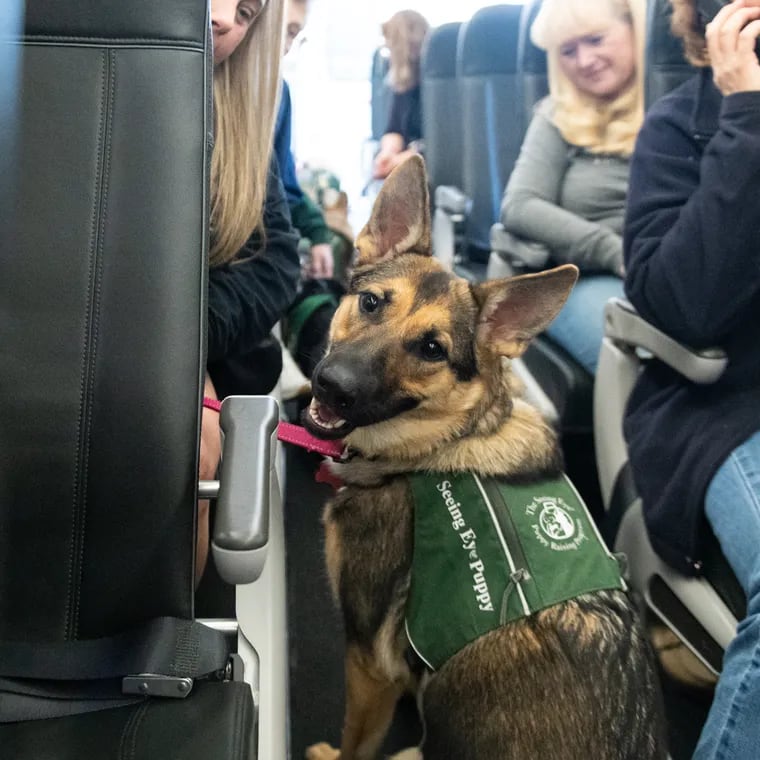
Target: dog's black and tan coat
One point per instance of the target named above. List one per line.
(417, 377)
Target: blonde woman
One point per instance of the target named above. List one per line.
(254, 265)
(568, 188)
(404, 34)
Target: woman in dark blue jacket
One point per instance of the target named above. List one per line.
(692, 255)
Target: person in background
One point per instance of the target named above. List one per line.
(310, 223)
(404, 34)
(253, 264)
(693, 270)
(306, 215)
(567, 192)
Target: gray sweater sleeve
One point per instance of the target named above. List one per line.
(530, 207)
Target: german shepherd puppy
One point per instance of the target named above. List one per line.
(415, 378)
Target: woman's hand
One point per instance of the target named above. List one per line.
(383, 165)
(731, 38)
(320, 262)
(211, 454)
(389, 163)
(391, 144)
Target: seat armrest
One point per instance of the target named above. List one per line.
(241, 527)
(451, 208)
(452, 200)
(625, 327)
(519, 253)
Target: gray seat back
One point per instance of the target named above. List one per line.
(666, 66)
(441, 107)
(487, 70)
(102, 310)
(531, 61)
(380, 104)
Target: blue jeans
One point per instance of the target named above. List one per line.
(579, 327)
(732, 506)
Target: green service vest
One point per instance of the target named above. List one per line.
(487, 552)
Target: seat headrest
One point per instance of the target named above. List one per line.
(531, 59)
(666, 66)
(146, 20)
(662, 46)
(488, 43)
(439, 56)
(381, 60)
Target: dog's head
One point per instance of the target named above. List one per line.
(415, 352)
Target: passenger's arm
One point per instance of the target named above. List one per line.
(281, 149)
(531, 209)
(309, 220)
(305, 215)
(391, 142)
(250, 295)
(693, 227)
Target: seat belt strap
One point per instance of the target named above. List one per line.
(166, 646)
(51, 679)
(25, 701)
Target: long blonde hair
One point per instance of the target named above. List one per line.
(404, 34)
(598, 126)
(246, 90)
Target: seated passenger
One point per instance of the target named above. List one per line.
(404, 35)
(304, 345)
(307, 217)
(254, 266)
(693, 270)
(568, 189)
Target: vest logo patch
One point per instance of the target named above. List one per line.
(556, 526)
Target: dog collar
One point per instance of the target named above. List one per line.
(301, 437)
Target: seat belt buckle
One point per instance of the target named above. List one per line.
(153, 685)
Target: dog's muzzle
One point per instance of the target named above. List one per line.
(337, 387)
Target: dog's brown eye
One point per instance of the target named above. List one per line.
(368, 302)
(432, 351)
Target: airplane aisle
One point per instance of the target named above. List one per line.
(316, 632)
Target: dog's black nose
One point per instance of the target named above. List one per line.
(336, 385)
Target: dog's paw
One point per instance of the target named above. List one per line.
(322, 751)
(408, 754)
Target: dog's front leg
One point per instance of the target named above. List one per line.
(370, 702)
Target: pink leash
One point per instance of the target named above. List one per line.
(298, 436)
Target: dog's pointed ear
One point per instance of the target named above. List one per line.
(515, 309)
(400, 221)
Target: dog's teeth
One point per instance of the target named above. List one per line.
(316, 416)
